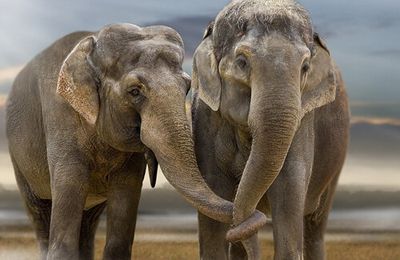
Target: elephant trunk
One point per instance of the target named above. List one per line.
(273, 120)
(169, 137)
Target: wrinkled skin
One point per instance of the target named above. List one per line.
(84, 117)
(270, 123)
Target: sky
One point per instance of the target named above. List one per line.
(363, 37)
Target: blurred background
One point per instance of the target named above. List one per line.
(363, 36)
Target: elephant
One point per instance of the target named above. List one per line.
(270, 122)
(84, 117)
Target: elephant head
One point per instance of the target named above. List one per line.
(263, 68)
(127, 83)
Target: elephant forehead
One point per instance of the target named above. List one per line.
(119, 40)
(159, 47)
(162, 32)
(142, 52)
(126, 32)
(281, 44)
(149, 53)
(120, 37)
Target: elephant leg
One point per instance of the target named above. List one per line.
(90, 220)
(287, 196)
(212, 233)
(39, 211)
(237, 251)
(213, 244)
(246, 249)
(69, 182)
(122, 204)
(315, 225)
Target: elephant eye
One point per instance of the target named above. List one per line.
(305, 68)
(241, 62)
(136, 93)
(135, 90)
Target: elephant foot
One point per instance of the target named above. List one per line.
(247, 228)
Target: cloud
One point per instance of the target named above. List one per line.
(369, 103)
(375, 120)
(3, 99)
(8, 74)
(386, 53)
(382, 22)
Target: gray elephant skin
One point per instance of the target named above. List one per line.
(270, 121)
(84, 117)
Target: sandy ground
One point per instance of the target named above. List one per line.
(21, 245)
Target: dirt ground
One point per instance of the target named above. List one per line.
(336, 250)
(23, 246)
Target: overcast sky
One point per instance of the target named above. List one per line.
(363, 35)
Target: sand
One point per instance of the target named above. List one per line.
(148, 245)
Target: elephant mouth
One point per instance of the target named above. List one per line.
(136, 132)
(131, 140)
(135, 139)
(134, 136)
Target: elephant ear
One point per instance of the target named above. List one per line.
(77, 81)
(320, 87)
(205, 77)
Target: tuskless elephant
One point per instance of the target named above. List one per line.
(270, 122)
(84, 117)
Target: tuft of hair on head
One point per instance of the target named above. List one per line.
(236, 16)
(267, 11)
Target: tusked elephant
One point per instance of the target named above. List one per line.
(84, 117)
(270, 120)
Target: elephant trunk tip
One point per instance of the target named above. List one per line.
(247, 228)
